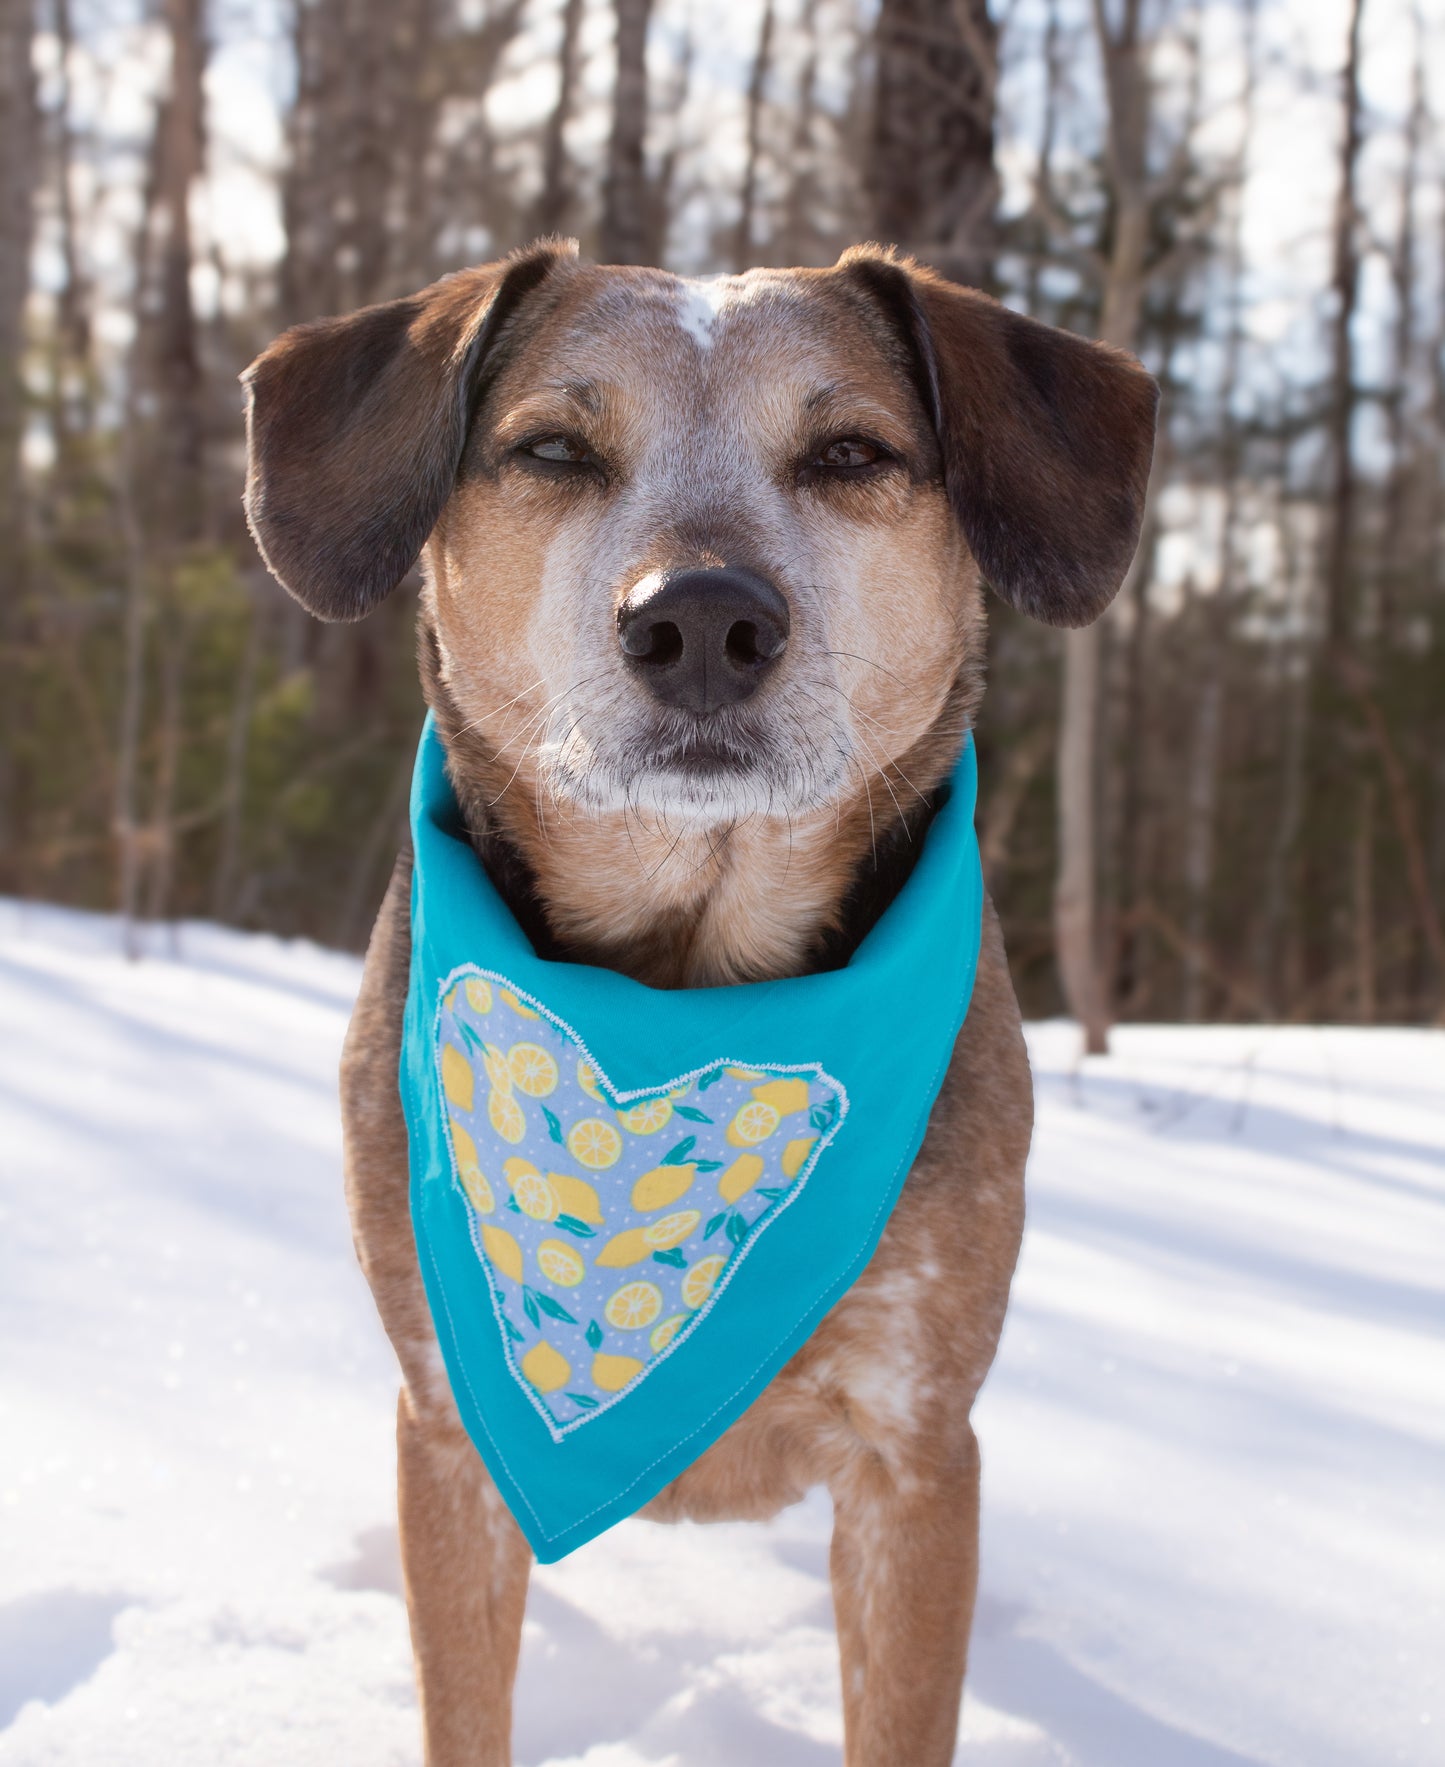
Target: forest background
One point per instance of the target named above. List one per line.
(1226, 801)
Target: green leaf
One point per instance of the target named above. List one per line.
(693, 1116)
(594, 1335)
(673, 1256)
(714, 1224)
(513, 1331)
(513, 1205)
(529, 1307)
(677, 1156)
(554, 1309)
(579, 1229)
(772, 1193)
(708, 1165)
(472, 1039)
(709, 1079)
(737, 1229)
(584, 1400)
(818, 1118)
(554, 1127)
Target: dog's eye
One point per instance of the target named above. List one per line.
(847, 456)
(560, 450)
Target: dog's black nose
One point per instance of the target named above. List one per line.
(703, 638)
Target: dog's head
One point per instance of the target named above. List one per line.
(703, 547)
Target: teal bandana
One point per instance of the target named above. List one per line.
(632, 1205)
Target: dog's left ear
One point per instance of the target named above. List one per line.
(355, 428)
(1046, 438)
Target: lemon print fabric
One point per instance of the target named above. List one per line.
(608, 1223)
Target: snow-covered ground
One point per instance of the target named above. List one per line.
(1214, 1441)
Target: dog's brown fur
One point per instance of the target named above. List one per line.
(1015, 449)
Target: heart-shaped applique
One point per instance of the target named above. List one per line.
(609, 1222)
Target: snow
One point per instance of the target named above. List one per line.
(1214, 1507)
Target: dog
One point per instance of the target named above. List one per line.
(702, 628)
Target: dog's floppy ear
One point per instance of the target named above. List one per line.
(355, 429)
(1046, 438)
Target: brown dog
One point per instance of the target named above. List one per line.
(703, 629)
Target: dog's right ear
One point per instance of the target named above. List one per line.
(355, 429)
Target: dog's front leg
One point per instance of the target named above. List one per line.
(466, 1566)
(904, 1570)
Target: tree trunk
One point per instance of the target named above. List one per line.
(1076, 933)
(18, 173)
(554, 203)
(623, 235)
(934, 186)
(757, 85)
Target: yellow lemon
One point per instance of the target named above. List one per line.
(516, 1167)
(546, 1368)
(740, 1176)
(505, 1116)
(663, 1333)
(577, 1198)
(661, 1186)
(559, 1263)
(479, 994)
(508, 998)
(624, 1249)
(795, 1155)
(535, 1197)
(742, 1074)
(470, 1173)
(587, 1080)
(532, 1069)
(594, 1144)
(498, 1072)
(612, 1373)
(646, 1118)
(671, 1230)
(458, 1081)
(635, 1305)
(451, 1001)
(679, 1092)
(697, 1285)
(504, 1252)
(785, 1096)
(754, 1122)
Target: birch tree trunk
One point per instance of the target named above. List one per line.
(622, 238)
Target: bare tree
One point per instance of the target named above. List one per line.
(934, 186)
(624, 229)
(757, 86)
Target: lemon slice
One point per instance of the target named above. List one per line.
(664, 1332)
(532, 1069)
(612, 1373)
(646, 1118)
(587, 1080)
(635, 1305)
(754, 1122)
(697, 1285)
(661, 1186)
(594, 1144)
(498, 1072)
(508, 998)
(672, 1230)
(479, 1192)
(458, 1081)
(535, 1197)
(479, 995)
(505, 1116)
(546, 1368)
(560, 1263)
(504, 1252)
